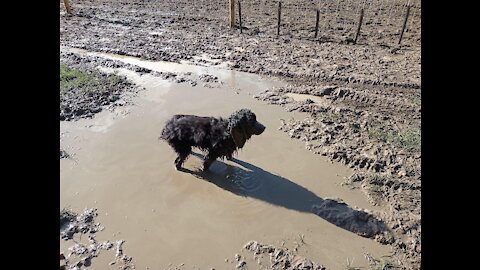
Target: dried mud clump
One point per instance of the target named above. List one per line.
(80, 254)
(281, 258)
(209, 80)
(63, 154)
(180, 77)
(79, 223)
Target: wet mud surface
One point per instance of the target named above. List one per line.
(239, 190)
(359, 105)
(198, 32)
(376, 132)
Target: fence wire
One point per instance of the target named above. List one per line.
(382, 21)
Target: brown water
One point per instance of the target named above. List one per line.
(169, 217)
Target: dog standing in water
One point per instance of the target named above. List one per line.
(218, 137)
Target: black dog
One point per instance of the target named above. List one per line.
(219, 137)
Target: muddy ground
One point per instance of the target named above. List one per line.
(85, 91)
(364, 100)
(182, 30)
(80, 255)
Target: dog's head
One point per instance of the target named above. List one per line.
(242, 125)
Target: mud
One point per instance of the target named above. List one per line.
(63, 154)
(347, 126)
(233, 193)
(376, 132)
(81, 255)
(359, 105)
(281, 258)
(99, 91)
(178, 30)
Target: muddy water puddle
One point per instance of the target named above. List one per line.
(169, 218)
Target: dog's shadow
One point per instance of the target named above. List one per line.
(249, 180)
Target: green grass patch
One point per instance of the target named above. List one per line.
(410, 140)
(74, 78)
(88, 82)
(329, 116)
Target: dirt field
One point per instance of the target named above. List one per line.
(356, 104)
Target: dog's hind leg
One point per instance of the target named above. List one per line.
(183, 153)
(209, 159)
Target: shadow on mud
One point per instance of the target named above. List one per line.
(249, 180)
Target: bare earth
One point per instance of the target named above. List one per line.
(355, 104)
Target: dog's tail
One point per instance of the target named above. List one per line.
(164, 135)
(167, 130)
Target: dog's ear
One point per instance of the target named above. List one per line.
(238, 135)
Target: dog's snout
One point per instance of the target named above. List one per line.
(259, 128)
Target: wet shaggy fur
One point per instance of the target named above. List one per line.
(218, 137)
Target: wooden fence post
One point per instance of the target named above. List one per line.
(66, 3)
(316, 22)
(404, 23)
(359, 26)
(232, 13)
(240, 14)
(279, 14)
